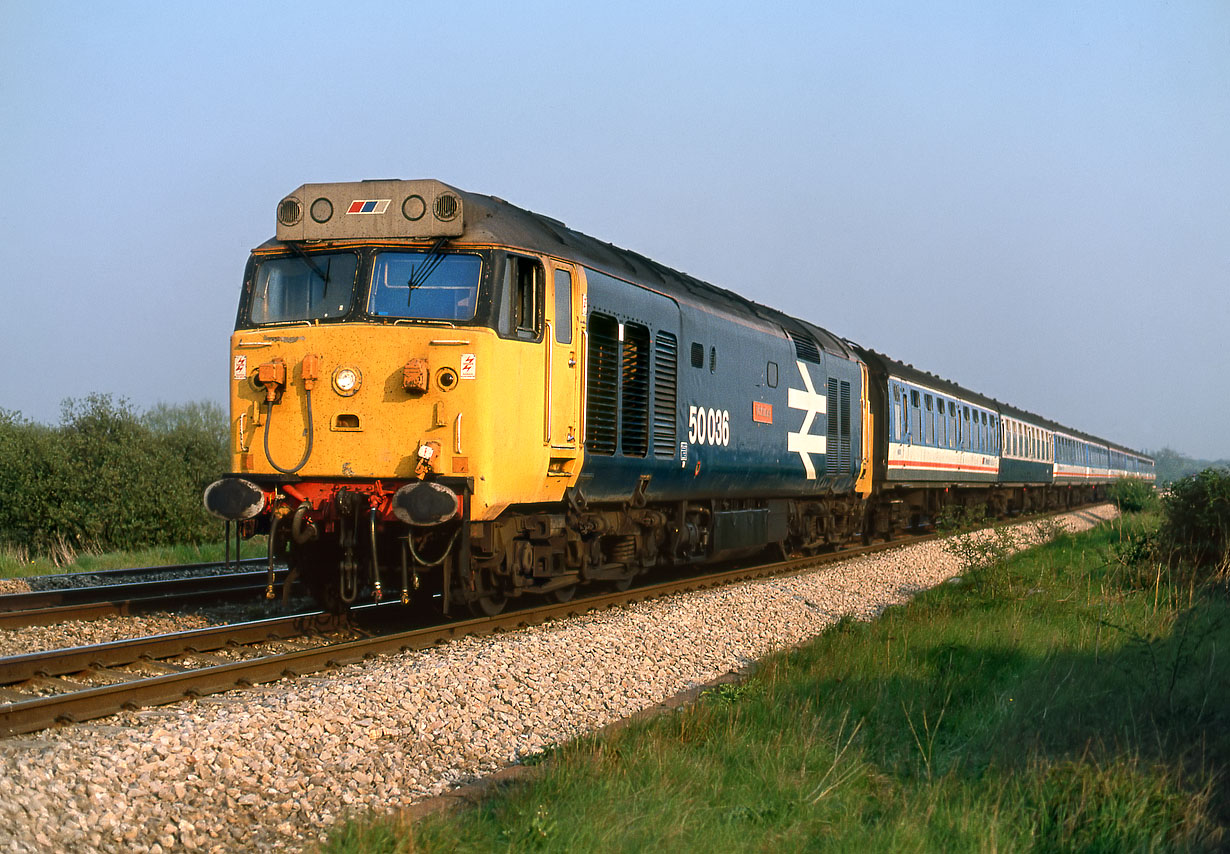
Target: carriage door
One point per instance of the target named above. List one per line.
(562, 418)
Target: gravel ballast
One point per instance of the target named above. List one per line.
(275, 767)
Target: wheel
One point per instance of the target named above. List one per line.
(487, 598)
(563, 594)
(490, 605)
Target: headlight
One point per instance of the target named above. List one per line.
(346, 381)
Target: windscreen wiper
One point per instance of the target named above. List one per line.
(420, 274)
(323, 275)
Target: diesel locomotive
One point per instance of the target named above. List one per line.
(436, 394)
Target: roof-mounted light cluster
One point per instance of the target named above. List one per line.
(371, 210)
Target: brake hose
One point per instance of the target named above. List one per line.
(269, 424)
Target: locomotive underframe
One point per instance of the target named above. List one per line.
(345, 544)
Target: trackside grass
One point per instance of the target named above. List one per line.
(1063, 699)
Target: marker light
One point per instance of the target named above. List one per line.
(346, 381)
(322, 210)
(413, 207)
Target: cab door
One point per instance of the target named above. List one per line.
(562, 414)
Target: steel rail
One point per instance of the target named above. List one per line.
(42, 608)
(133, 571)
(60, 662)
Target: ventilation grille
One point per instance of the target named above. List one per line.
(804, 347)
(665, 394)
(838, 445)
(446, 206)
(635, 391)
(290, 211)
(845, 427)
(601, 407)
(834, 418)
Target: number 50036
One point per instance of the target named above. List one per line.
(708, 426)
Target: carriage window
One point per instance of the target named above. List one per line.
(771, 374)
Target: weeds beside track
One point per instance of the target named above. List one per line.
(1051, 700)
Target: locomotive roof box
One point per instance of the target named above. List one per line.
(371, 209)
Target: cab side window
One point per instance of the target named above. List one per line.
(521, 290)
(563, 307)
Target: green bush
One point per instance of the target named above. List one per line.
(1132, 495)
(1196, 527)
(107, 479)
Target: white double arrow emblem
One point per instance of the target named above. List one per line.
(803, 442)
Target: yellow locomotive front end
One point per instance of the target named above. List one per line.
(395, 379)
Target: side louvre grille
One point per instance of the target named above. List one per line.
(845, 427)
(837, 457)
(833, 443)
(804, 347)
(634, 423)
(665, 394)
(601, 409)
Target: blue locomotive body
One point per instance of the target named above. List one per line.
(687, 401)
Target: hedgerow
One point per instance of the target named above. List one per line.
(1132, 495)
(108, 478)
(1196, 525)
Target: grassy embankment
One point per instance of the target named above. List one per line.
(1075, 697)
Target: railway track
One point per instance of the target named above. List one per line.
(44, 689)
(45, 607)
(96, 578)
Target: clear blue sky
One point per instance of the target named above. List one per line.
(1031, 198)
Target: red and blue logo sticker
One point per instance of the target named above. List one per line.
(368, 206)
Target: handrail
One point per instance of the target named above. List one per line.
(548, 339)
